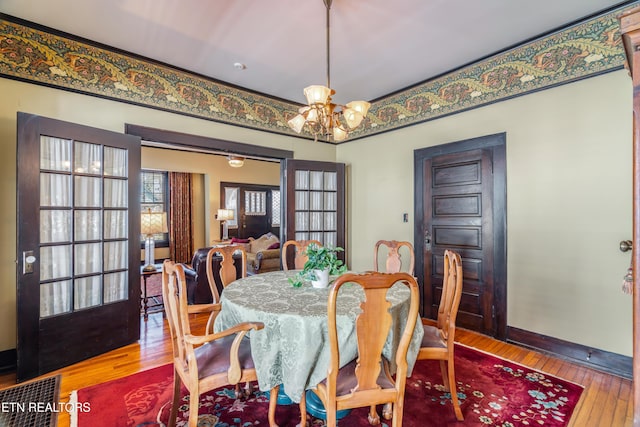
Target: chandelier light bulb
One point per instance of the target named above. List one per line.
(317, 94)
(339, 134)
(297, 123)
(352, 117)
(361, 107)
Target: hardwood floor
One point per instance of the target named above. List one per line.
(606, 402)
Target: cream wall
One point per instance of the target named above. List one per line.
(215, 169)
(569, 203)
(104, 114)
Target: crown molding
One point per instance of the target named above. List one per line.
(43, 56)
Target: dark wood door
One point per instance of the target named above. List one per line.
(256, 210)
(463, 210)
(314, 196)
(78, 244)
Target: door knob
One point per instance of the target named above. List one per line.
(626, 245)
(427, 242)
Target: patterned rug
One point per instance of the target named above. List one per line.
(492, 391)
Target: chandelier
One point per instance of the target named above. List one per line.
(321, 117)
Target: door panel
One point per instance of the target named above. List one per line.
(458, 201)
(78, 292)
(462, 227)
(314, 198)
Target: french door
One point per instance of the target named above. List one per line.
(314, 196)
(78, 245)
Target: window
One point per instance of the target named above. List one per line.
(154, 195)
(231, 202)
(275, 208)
(255, 203)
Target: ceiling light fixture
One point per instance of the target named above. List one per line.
(321, 116)
(236, 161)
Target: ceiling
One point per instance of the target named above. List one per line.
(377, 46)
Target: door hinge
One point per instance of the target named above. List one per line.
(493, 311)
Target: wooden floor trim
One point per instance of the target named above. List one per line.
(602, 360)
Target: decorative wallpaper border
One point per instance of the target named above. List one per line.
(30, 54)
(586, 49)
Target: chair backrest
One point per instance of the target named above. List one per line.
(372, 328)
(300, 257)
(227, 270)
(174, 296)
(451, 294)
(394, 260)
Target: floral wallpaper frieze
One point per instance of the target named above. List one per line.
(30, 54)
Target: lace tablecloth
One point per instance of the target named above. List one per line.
(293, 347)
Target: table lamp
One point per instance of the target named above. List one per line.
(225, 215)
(151, 223)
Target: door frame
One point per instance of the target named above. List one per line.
(497, 144)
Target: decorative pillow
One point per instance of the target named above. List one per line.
(237, 240)
(275, 245)
(263, 242)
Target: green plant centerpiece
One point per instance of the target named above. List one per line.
(322, 261)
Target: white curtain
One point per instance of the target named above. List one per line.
(80, 208)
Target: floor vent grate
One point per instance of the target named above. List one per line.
(32, 404)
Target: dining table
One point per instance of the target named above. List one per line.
(293, 350)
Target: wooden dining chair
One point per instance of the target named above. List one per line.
(202, 362)
(366, 380)
(300, 257)
(227, 272)
(438, 340)
(394, 262)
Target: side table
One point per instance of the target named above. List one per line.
(156, 300)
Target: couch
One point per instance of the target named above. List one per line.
(198, 290)
(263, 253)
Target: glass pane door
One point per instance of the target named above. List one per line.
(316, 206)
(83, 225)
(314, 201)
(78, 292)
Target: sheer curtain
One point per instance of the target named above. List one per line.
(74, 195)
(180, 229)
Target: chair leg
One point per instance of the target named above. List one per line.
(194, 403)
(387, 411)
(303, 410)
(273, 401)
(454, 390)
(443, 370)
(176, 399)
(374, 418)
(397, 413)
(331, 416)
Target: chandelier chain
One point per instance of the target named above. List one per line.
(328, 7)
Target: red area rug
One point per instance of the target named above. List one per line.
(492, 392)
